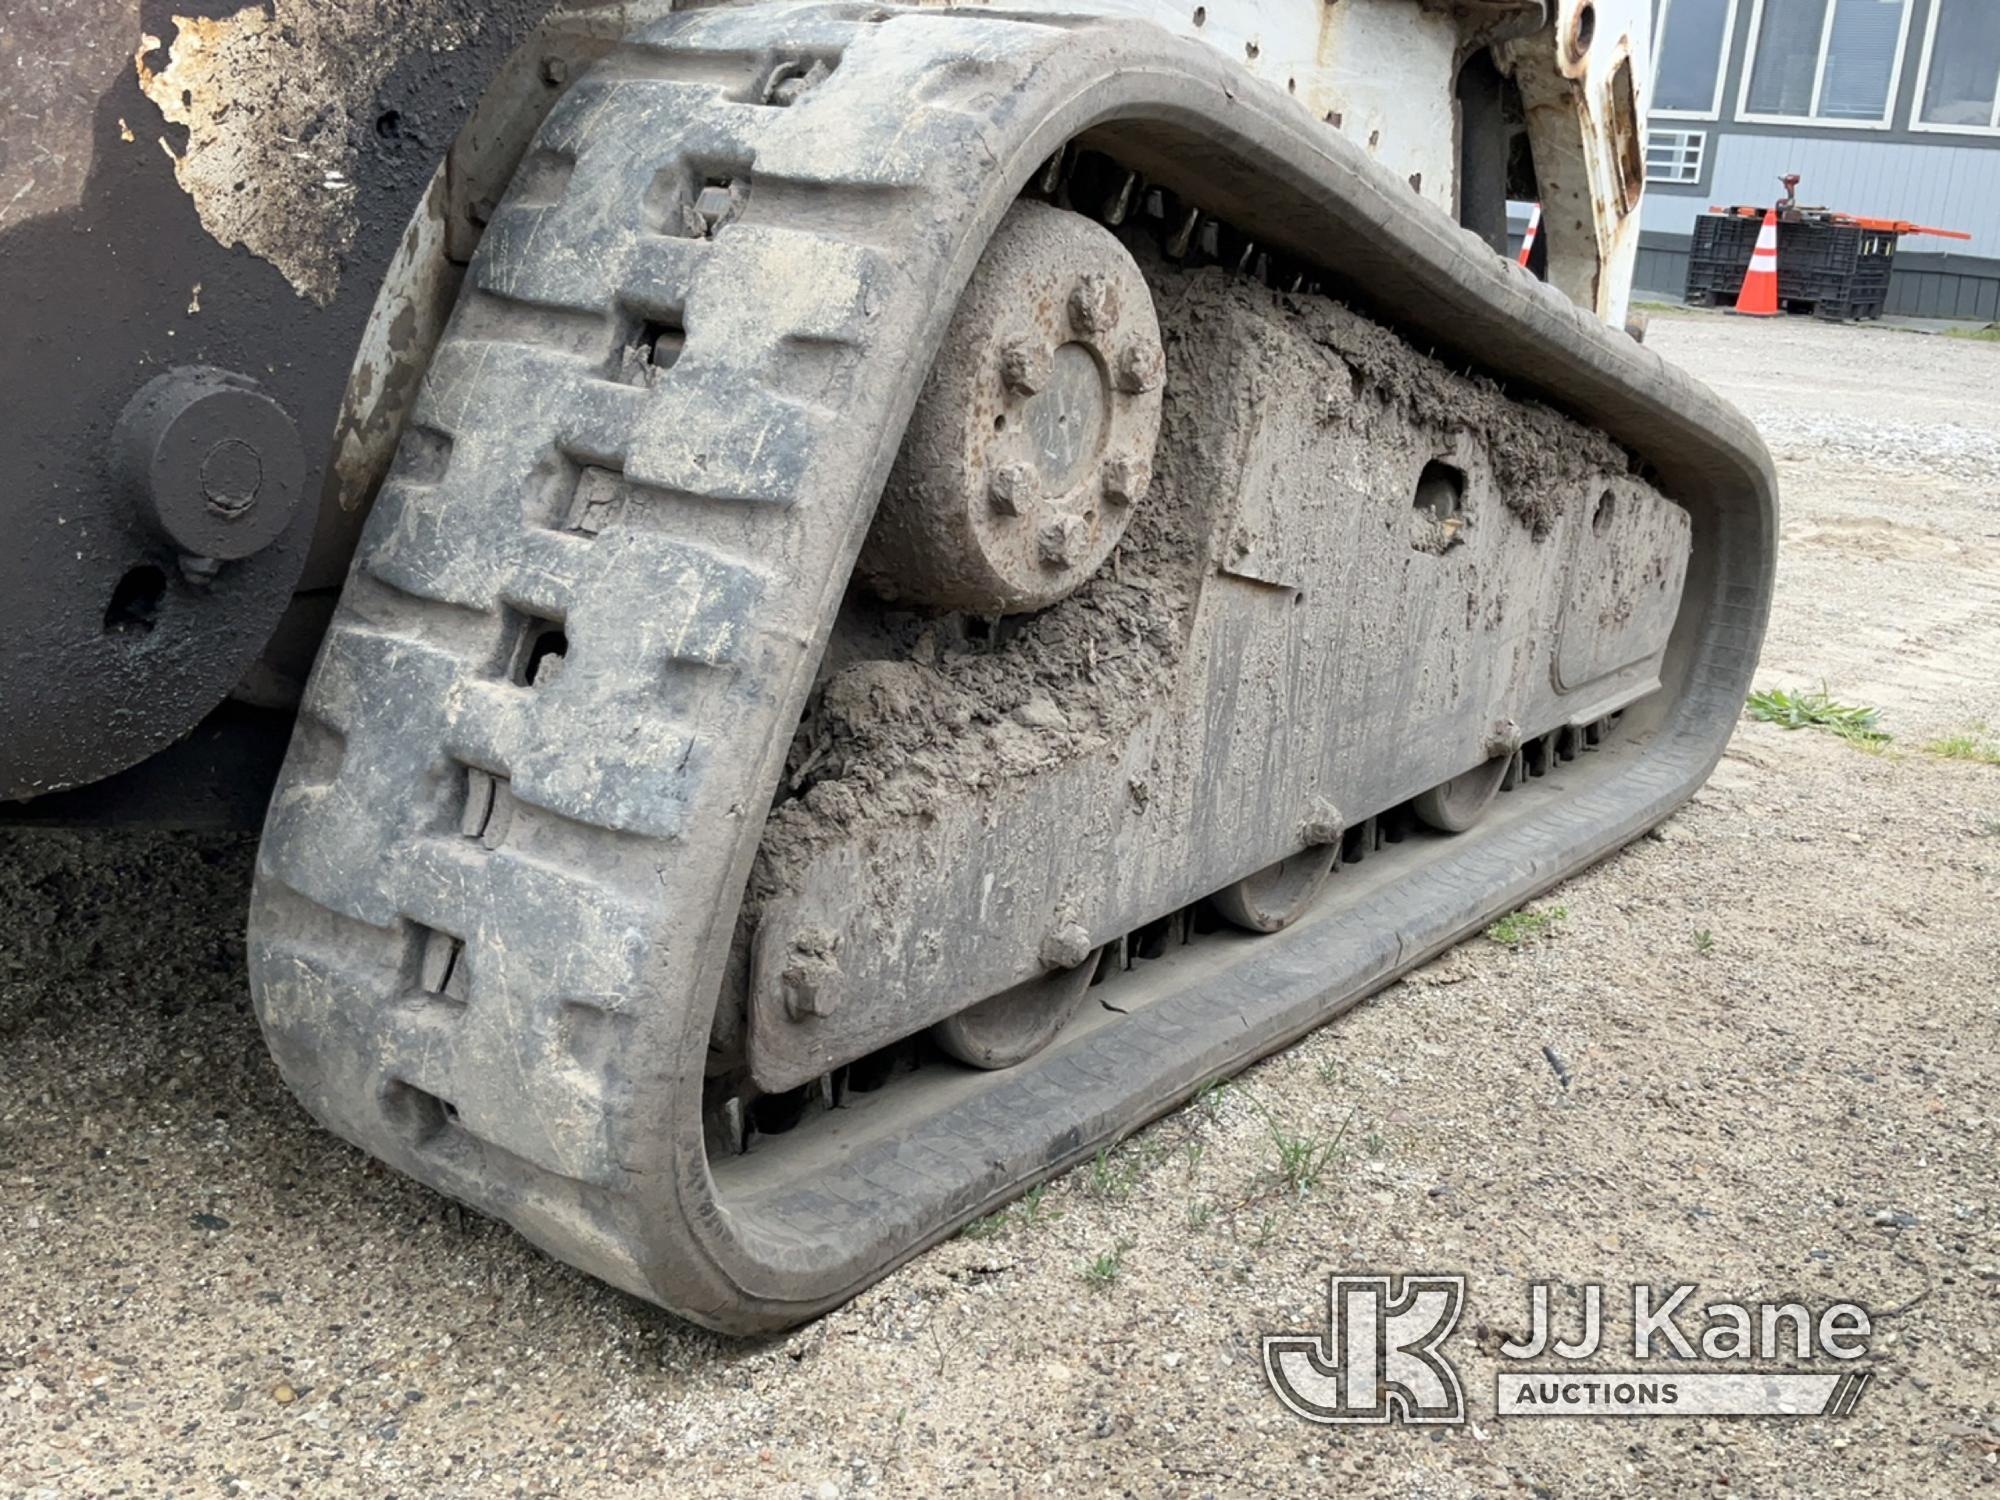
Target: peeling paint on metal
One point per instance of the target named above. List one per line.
(1386, 75)
(267, 97)
(1586, 109)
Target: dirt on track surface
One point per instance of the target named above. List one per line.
(1776, 1016)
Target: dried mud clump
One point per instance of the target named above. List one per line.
(914, 710)
(1538, 455)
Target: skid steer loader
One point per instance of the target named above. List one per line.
(863, 597)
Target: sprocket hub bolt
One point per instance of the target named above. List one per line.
(1092, 304)
(811, 978)
(1322, 825)
(214, 462)
(1140, 367)
(1126, 480)
(1061, 540)
(1066, 946)
(1014, 489)
(1025, 367)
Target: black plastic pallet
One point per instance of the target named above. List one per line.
(1836, 271)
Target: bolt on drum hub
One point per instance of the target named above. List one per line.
(215, 463)
(1034, 437)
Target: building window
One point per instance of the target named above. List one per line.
(1958, 86)
(1674, 155)
(1825, 62)
(1691, 41)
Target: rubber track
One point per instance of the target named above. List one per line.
(521, 1021)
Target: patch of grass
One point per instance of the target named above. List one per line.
(1199, 1212)
(1662, 307)
(1375, 1144)
(1025, 1214)
(1975, 745)
(1990, 334)
(1112, 1178)
(1030, 1212)
(989, 1228)
(1102, 1269)
(1521, 927)
(1816, 708)
(1209, 1100)
(1704, 940)
(1302, 1158)
(1329, 1071)
(1267, 1229)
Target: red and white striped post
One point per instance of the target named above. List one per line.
(1528, 239)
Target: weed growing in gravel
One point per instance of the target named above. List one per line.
(1975, 745)
(1030, 1212)
(1990, 334)
(1111, 1179)
(1102, 1269)
(1704, 940)
(1518, 928)
(1025, 1214)
(1816, 708)
(1302, 1159)
(1375, 1144)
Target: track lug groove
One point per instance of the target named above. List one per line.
(807, 295)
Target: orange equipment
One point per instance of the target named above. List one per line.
(1790, 212)
(1759, 297)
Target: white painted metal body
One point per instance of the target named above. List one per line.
(1383, 73)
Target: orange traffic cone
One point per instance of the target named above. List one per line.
(1759, 297)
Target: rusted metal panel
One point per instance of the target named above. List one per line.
(1583, 83)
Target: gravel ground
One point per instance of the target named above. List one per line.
(1777, 1016)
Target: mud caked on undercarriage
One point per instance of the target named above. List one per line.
(953, 577)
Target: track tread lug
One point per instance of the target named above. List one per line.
(540, 1096)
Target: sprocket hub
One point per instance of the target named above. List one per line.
(1034, 437)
